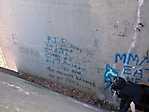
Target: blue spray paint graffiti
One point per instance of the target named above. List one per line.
(133, 67)
(62, 59)
(109, 74)
(131, 58)
(127, 58)
(60, 53)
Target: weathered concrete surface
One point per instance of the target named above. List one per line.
(18, 95)
(72, 40)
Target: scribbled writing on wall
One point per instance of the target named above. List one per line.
(122, 28)
(130, 65)
(62, 58)
(28, 51)
(88, 84)
(61, 52)
(134, 66)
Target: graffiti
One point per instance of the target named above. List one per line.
(86, 81)
(122, 28)
(28, 51)
(130, 65)
(127, 58)
(145, 59)
(52, 70)
(65, 59)
(77, 84)
(130, 69)
(131, 58)
(109, 74)
(61, 54)
(70, 77)
(133, 64)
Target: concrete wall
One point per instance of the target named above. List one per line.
(5, 35)
(72, 41)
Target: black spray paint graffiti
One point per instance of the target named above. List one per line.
(61, 57)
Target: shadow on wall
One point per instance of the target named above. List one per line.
(7, 60)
